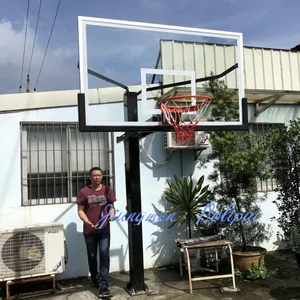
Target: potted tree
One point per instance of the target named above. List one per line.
(240, 159)
(285, 161)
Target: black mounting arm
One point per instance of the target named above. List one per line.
(105, 78)
(100, 76)
(213, 77)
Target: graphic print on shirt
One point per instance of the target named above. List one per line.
(97, 200)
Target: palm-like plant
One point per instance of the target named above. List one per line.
(187, 198)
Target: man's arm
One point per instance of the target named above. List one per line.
(80, 203)
(112, 212)
(83, 216)
(111, 200)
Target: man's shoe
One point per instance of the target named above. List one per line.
(104, 294)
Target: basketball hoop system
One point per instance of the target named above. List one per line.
(184, 113)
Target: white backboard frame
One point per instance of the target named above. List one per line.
(83, 21)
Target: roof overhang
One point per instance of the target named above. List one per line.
(262, 99)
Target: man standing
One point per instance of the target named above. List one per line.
(93, 203)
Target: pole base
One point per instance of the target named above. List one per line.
(133, 291)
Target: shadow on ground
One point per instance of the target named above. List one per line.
(167, 284)
(286, 283)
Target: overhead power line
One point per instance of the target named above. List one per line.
(47, 44)
(28, 4)
(36, 28)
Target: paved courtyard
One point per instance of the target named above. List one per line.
(168, 284)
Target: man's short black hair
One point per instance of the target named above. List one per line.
(95, 169)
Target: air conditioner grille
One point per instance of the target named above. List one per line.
(200, 140)
(22, 253)
(185, 143)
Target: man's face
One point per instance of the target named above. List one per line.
(96, 177)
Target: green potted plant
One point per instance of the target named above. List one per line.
(240, 159)
(284, 144)
(186, 197)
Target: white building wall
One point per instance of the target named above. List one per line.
(159, 246)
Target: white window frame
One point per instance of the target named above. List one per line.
(67, 127)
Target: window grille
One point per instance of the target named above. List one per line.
(56, 159)
(261, 129)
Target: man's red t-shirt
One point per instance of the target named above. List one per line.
(96, 206)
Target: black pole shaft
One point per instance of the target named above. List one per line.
(133, 190)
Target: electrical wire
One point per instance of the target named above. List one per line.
(158, 164)
(24, 48)
(47, 44)
(36, 28)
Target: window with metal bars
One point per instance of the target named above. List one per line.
(56, 159)
(260, 129)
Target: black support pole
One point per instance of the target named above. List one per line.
(136, 285)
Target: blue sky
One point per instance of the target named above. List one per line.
(264, 23)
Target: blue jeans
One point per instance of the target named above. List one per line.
(99, 240)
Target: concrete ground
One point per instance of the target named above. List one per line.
(166, 283)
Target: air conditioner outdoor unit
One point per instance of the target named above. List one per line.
(32, 251)
(200, 141)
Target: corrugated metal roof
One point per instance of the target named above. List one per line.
(264, 69)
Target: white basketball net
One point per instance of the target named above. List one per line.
(183, 115)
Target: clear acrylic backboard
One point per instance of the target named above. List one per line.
(155, 61)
